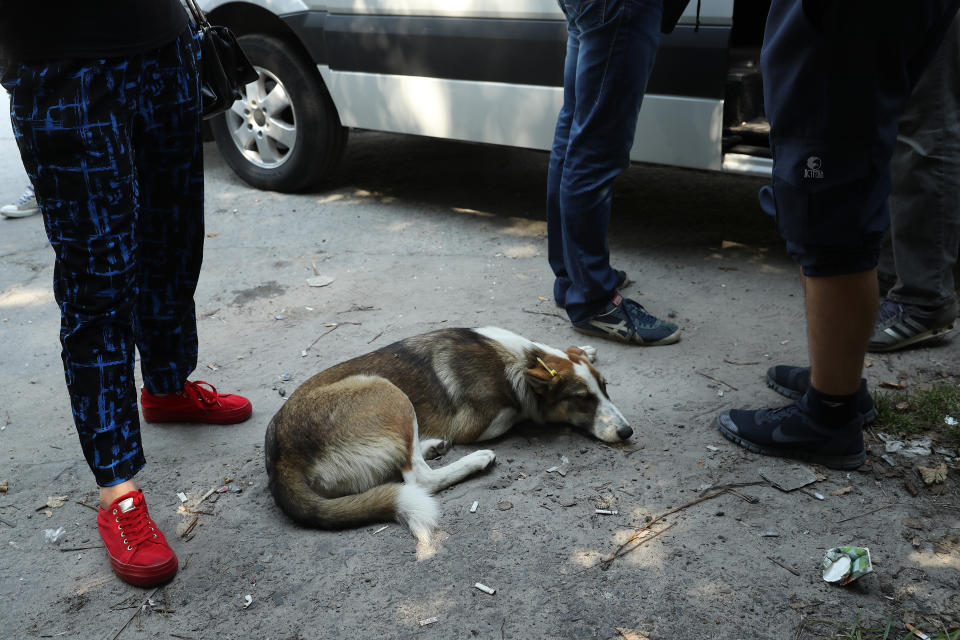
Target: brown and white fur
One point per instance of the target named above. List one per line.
(337, 448)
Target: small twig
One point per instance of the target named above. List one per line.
(803, 622)
(866, 513)
(88, 506)
(543, 313)
(618, 554)
(713, 410)
(174, 635)
(717, 380)
(12, 526)
(99, 546)
(777, 562)
(335, 326)
(135, 614)
(740, 364)
(636, 534)
(193, 523)
(374, 337)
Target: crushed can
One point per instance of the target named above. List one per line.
(843, 565)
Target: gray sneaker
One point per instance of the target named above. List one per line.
(899, 325)
(625, 320)
(25, 206)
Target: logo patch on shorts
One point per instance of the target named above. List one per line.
(813, 169)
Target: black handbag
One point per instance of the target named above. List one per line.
(224, 67)
(672, 9)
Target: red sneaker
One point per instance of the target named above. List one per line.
(139, 554)
(195, 403)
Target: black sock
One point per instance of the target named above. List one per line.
(830, 411)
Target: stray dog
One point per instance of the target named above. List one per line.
(337, 448)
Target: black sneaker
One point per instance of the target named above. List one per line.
(793, 382)
(627, 321)
(790, 432)
(900, 325)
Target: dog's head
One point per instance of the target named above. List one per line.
(570, 390)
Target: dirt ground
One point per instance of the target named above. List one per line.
(422, 234)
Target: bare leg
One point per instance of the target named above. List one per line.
(841, 311)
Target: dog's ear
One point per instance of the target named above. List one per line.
(539, 378)
(585, 353)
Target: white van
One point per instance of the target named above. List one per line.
(487, 71)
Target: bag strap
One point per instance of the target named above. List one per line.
(198, 16)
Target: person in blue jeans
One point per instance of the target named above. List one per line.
(837, 75)
(611, 47)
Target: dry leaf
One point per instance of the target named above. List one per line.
(868, 363)
(841, 492)
(48, 513)
(4, 486)
(541, 299)
(632, 634)
(893, 385)
(56, 501)
(319, 281)
(934, 475)
(730, 244)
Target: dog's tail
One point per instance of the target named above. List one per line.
(407, 503)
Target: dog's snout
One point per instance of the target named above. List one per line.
(624, 432)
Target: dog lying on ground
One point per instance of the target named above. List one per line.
(337, 448)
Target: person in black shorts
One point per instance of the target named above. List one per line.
(837, 75)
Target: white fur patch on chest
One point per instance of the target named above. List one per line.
(500, 424)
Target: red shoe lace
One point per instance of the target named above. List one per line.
(135, 525)
(204, 395)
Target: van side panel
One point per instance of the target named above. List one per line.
(672, 130)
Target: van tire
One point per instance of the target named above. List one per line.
(252, 147)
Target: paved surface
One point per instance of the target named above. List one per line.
(421, 234)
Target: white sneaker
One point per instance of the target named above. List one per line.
(25, 206)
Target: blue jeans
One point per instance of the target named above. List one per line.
(611, 47)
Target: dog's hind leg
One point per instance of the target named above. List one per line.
(434, 448)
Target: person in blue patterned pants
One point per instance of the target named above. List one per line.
(105, 106)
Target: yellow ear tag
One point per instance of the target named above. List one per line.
(552, 372)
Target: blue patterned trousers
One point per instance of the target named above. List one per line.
(113, 149)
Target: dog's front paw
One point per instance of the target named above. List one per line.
(590, 352)
(485, 458)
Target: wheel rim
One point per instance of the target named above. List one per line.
(263, 124)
